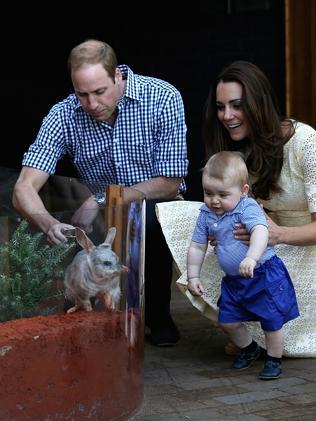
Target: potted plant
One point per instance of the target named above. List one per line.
(29, 270)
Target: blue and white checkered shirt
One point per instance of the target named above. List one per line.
(148, 139)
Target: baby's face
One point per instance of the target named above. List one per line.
(222, 196)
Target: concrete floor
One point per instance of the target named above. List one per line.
(194, 381)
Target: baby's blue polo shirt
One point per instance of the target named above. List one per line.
(229, 251)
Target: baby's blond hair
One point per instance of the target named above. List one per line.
(227, 166)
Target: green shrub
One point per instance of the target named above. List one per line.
(27, 269)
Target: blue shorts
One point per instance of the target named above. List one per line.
(268, 297)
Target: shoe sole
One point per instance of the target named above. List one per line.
(269, 378)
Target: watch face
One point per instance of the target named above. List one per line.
(100, 197)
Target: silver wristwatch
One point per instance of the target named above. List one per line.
(100, 199)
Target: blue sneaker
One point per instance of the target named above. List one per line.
(271, 370)
(244, 359)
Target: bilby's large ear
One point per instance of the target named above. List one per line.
(83, 240)
(110, 236)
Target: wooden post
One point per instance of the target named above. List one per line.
(114, 216)
(300, 34)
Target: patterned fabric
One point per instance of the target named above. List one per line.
(148, 139)
(291, 207)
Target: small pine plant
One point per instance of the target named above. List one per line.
(27, 267)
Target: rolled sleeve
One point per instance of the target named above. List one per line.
(48, 147)
(171, 159)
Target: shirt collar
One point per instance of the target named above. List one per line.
(132, 88)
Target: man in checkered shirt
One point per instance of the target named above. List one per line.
(118, 128)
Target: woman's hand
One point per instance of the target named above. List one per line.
(240, 233)
(275, 231)
(212, 241)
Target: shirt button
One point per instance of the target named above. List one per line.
(215, 224)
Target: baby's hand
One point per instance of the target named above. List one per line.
(247, 266)
(195, 286)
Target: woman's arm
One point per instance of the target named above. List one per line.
(304, 235)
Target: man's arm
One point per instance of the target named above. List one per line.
(28, 203)
(155, 188)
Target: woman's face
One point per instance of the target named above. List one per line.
(230, 110)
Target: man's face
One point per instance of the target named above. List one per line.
(97, 92)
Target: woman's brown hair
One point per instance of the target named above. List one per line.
(264, 146)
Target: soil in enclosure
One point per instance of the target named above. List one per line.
(70, 367)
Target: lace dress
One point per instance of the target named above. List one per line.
(291, 207)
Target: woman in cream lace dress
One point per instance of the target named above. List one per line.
(242, 114)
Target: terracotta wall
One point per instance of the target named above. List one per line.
(300, 28)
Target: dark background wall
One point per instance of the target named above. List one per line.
(186, 46)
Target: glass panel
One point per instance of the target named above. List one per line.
(65, 352)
